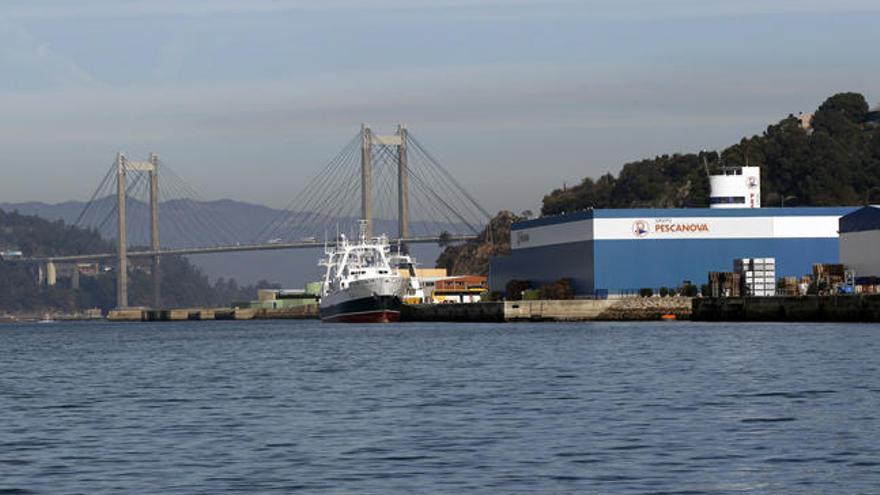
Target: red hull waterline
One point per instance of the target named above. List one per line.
(378, 316)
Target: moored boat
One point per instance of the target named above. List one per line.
(362, 283)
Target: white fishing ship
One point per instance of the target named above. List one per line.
(363, 283)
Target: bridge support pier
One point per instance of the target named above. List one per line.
(51, 274)
(367, 179)
(155, 271)
(402, 185)
(121, 243)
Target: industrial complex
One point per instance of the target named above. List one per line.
(609, 252)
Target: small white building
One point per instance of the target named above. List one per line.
(735, 187)
(860, 241)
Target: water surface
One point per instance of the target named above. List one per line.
(249, 407)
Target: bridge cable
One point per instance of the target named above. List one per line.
(422, 185)
(325, 193)
(440, 182)
(307, 194)
(201, 213)
(422, 149)
(194, 219)
(91, 200)
(200, 205)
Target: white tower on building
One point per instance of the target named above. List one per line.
(735, 187)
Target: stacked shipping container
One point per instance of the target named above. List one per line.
(758, 275)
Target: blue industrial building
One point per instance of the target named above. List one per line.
(607, 252)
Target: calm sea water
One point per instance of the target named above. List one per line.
(230, 407)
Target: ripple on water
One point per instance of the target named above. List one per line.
(783, 419)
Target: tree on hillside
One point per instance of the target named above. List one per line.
(852, 107)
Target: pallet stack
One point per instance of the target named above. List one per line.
(829, 276)
(789, 286)
(725, 284)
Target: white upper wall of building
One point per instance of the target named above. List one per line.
(860, 251)
(696, 227)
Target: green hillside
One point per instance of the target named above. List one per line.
(836, 162)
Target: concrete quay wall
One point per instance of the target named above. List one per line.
(473, 312)
(305, 312)
(628, 309)
(204, 314)
(653, 308)
(864, 308)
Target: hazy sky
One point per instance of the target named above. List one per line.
(247, 98)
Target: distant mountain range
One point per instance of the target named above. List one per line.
(195, 222)
(220, 222)
(189, 223)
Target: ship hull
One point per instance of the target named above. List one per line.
(371, 309)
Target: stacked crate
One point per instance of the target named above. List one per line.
(868, 288)
(724, 284)
(790, 286)
(828, 276)
(758, 275)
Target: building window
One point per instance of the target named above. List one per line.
(728, 200)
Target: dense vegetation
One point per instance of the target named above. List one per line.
(835, 162)
(34, 236)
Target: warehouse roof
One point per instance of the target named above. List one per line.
(867, 218)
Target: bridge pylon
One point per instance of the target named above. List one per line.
(402, 185)
(121, 241)
(123, 165)
(367, 179)
(155, 269)
(399, 141)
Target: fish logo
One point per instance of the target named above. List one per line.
(640, 228)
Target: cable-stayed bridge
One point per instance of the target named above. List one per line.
(390, 181)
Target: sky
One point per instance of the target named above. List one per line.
(247, 99)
